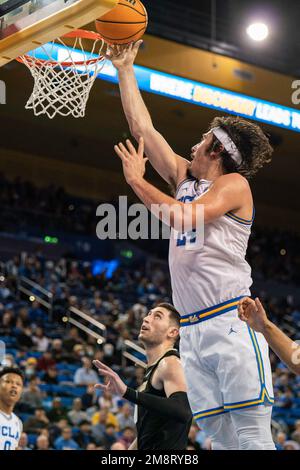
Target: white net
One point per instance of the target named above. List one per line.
(63, 78)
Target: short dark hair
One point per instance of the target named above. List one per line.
(12, 370)
(250, 140)
(173, 313)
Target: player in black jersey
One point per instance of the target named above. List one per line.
(163, 413)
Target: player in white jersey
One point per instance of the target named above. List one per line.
(11, 387)
(226, 363)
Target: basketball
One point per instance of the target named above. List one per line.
(125, 23)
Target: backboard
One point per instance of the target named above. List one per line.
(27, 24)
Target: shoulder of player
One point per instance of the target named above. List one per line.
(234, 180)
(168, 366)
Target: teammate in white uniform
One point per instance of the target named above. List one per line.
(11, 387)
(226, 363)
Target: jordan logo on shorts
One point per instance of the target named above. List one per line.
(231, 331)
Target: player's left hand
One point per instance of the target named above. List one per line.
(114, 383)
(133, 161)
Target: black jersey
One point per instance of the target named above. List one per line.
(157, 432)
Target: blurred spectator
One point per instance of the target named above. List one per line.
(6, 323)
(40, 341)
(24, 338)
(109, 436)
(50, 377)
(91, 446)
(106, 414)
(36, 423)
(128, 436)
(72, 339)
(296, 434)
(66, 442)
(32, 396)
(36, 315)
(30, 367)
(55, 429)
(85, 375)
(57, 351)
(23, 442)
(89, 398)
(118, 446)
(99, 425)
(84, 434)
(42, 443)
(125, 418)
(291, 445)
(285, 400)
(46, 361)
(57, 411)
(280, 440)
(107, 400)
(76, 415)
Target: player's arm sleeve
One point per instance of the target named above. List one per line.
(176, 406)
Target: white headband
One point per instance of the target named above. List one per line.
(228, 143)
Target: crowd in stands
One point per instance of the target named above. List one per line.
(60, 408)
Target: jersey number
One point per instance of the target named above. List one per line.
(7, 445)
(188, 238)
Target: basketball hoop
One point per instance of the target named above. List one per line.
(63, 78)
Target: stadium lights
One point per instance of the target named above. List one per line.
(258, 31)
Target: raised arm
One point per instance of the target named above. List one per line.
(166, 162)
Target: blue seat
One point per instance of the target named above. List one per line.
(61, 366)
(46, 388)
(67, 401)
(47, 403)
(32, 439)
(36, 354)
(295, 412)
(64, 378)
(77, 391)
(9, 341)
(24, 416)
(12, 351)
(59, 389)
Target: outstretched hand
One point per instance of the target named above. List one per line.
(133, 161)
(122, 55)
(114, 383)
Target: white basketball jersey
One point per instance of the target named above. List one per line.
(10, 431)
(218, 271)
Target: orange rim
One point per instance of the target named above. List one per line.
(77, 33)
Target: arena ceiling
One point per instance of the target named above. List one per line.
(189, 22)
